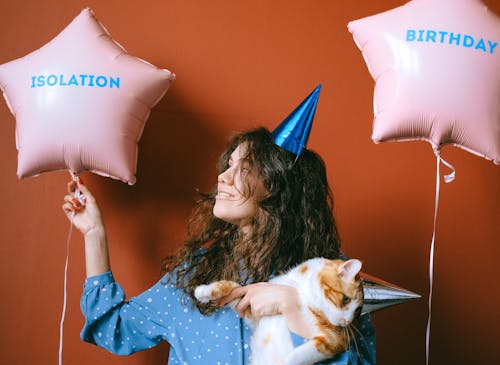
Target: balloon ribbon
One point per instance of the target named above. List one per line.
(447, 179)
(78, 195)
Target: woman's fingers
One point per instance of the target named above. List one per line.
(67, 207)
(71, 204)
(264, 299)
(78, 201)
(71, 187)
(243, 306)
(235, 293)
(83, 188)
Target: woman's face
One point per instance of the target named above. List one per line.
(233, 202)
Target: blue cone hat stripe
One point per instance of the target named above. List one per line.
(293, 132)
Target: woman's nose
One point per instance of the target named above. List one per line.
(226, 176)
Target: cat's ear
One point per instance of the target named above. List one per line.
(349, 269)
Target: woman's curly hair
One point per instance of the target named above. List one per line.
(294, 221)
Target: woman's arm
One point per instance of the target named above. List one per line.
(119, 326)
(266, 299)
(124, 327)
(88, 220)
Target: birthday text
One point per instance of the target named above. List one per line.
(451, 38)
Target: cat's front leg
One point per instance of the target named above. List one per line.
(214, 291)
(308, 353)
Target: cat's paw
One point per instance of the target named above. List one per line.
(204, 293)
(214, 291)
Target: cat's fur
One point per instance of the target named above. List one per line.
(331, 295)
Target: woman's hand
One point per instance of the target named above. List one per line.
(87, 218)
(263, 299)
(266, 299)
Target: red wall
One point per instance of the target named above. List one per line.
(241, 64)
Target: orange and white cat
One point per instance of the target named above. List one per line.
(331, 296)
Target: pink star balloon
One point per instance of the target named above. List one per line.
(436, 66)
(81, 102)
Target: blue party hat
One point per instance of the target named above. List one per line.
(293, 132)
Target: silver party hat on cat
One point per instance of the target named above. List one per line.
(380, 294)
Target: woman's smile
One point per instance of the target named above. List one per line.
(223, 195)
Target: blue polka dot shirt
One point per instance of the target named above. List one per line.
(164, 313)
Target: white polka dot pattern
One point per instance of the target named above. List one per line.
(161, 314)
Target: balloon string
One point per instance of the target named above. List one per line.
(61, 326)
(451, 176)
(78, 195)
(447, 178)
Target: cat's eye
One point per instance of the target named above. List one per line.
(345, 299)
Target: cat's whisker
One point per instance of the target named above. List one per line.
(348, 336)
(360, 334)
(345, 335)
(351, 327)
(359, 337)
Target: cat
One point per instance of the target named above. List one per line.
(331, 295)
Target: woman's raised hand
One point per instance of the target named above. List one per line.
(86, 217)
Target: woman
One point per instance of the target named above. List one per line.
(270, 211)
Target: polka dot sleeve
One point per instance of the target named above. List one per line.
(123, 327)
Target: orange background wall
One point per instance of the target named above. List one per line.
(242, 64)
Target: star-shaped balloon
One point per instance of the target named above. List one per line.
(436, 66)
(81, 102)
